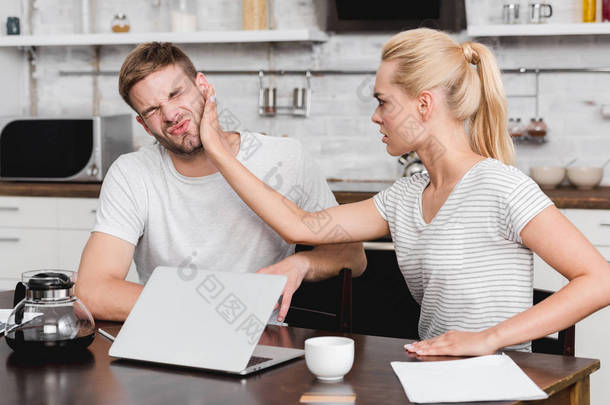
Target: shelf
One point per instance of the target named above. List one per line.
(209, 37)
(511, 30)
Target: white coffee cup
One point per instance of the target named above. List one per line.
(329, 358)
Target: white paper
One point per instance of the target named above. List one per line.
(485, 378)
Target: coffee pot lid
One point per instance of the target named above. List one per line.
(43, 280)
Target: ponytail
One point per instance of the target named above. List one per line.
(488, 133)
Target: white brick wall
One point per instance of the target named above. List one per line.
(339, 132)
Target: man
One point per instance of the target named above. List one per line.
(167, 204)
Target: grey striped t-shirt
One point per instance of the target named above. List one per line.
(467, 268)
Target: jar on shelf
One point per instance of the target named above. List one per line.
(83, 12)
(537, 128)
(13, 26)
(184, 15)
(515, 128)
(520, 127)
(120, 23)
(254, 15)
(588, 10)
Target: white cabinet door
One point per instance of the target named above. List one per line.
(24, 249)
(71, 245)
(593, 341)
(546, 277)
(44, 233)
(594, 224)
(76, 213)
(28, 212)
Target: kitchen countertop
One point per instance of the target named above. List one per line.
(50, 189)
(345, 192)
(359, 186)
(563, 197)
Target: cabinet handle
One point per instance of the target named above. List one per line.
(605, 224)
(9, 208)
(378, 245)
(9, 239)
(94, 211)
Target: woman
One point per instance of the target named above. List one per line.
(465, 232)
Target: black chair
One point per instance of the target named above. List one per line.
(382, 303)
(331, 310)
(324, 305)
(564, 344)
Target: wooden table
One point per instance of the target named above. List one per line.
(95, 378)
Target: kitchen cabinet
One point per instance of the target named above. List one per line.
(546, 277)
(44, 233)
(71, 243)
(24, 212)
(593, 332)
(76, 213)
(592, 338)
(23, 249)
(594, 224)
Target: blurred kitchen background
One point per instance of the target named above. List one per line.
(60, 58)
(59, 80)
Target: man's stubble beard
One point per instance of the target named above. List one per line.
(180, 149)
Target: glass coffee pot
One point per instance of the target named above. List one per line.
(49, 318)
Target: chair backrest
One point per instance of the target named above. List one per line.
(377, 302)
(382, 303)
(564, 344)
(324, 305)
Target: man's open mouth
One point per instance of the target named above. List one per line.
(179, 128)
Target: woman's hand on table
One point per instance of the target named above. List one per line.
(455, 343)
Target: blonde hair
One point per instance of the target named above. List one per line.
(428, 58)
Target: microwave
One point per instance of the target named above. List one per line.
(62, 149)
(390, 15)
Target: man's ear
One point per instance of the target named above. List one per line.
(141, 122)
(201, 82)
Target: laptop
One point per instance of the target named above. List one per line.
(210, 320)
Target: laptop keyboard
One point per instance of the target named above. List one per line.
(254, 360)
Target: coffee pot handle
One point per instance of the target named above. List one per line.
(19, 293)
(19, 296)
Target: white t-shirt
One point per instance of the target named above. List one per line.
(467, 268)
(181, 221)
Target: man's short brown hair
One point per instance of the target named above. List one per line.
(146, 59)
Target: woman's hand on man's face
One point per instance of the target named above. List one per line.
(210, 131)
